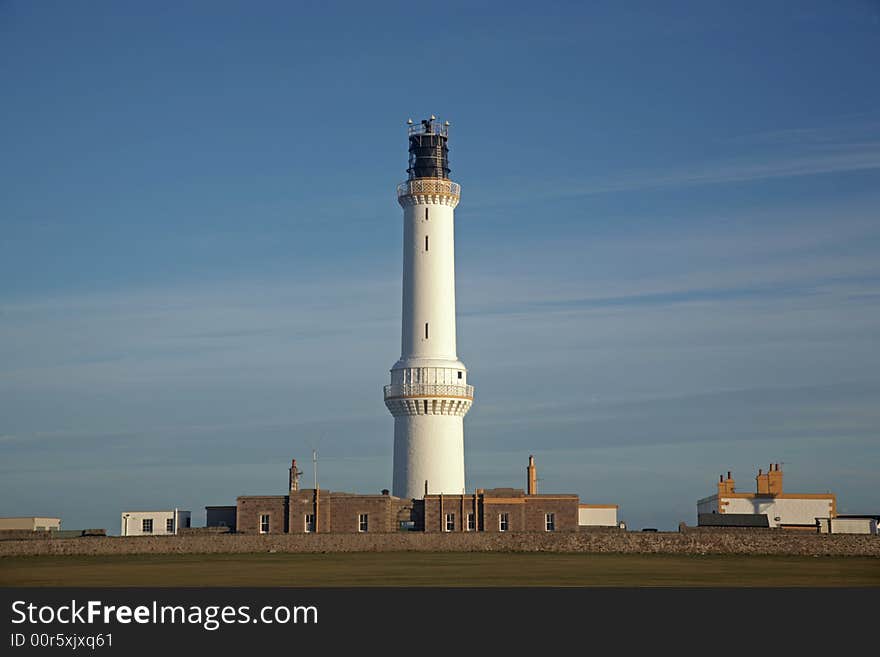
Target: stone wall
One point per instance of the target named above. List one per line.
(779, 542)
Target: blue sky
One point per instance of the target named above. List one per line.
(668, 246)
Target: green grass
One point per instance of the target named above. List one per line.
(437, 569)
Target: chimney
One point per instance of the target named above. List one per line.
(531, 477)
(293, 479)
(763, 481)
(774, 480)
(726, 486)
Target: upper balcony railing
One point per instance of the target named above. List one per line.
(428, 186)
(428, 127)
(399, 390)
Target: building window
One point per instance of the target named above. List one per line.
(169, 525)
(550, 522)
(363, 522)
(186, 522)
(471, 522)
(310, 523)
(426, 242)
(264, 523)
(503, 522)
(450, 522)
(147, 525)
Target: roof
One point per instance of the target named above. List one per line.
(732, 520)
(157, 511)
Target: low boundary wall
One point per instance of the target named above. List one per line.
(764, 542)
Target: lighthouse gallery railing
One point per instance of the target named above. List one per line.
(396, 391)
(428, 186)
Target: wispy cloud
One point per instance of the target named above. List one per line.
(784, 153)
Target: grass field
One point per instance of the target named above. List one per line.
(437, 569)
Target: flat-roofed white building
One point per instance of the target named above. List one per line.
(31, 523)
(597, 515)
(783, 510)
(153, 523)
(848, 525)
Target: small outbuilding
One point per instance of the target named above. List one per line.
(848, 525)
(154, 523)
(221, 516)
(30, 523)
(597, 515)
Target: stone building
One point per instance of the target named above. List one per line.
(500, 510)
(312, 510)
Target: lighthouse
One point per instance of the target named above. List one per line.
(429, 394)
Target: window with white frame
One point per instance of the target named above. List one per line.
(450, 522)
(147, 525)
(471, 522)
(264, 523)
(169, 525)
(363, 522)
(503, 522)
(310, 523)
(550, 522)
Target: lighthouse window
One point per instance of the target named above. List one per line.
(426, 214)
(459, 375)
(426, 330)
(426, 407)
(426, 242)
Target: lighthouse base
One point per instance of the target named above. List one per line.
(428, 448)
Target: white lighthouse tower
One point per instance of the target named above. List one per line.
(429, 395)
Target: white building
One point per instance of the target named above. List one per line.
(597, 515)
(848, 525)
(429, 394)
(154, 523)
(783, 510)
(31, 523)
